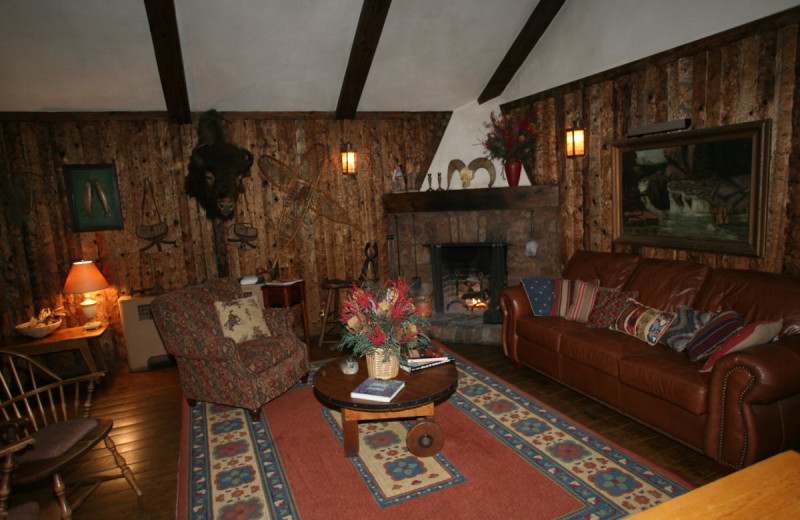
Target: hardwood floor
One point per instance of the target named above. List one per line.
(146, 406)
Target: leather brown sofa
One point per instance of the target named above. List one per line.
(745, 409)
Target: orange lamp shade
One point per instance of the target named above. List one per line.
(84, 277)
(348, 160)
(575, 142)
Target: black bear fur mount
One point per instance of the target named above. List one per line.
(216, 169)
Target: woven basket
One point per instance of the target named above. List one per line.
(380, 369)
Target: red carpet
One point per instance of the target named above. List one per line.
(505, 456)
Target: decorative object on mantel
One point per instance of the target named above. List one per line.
(511, 139)
(381, 323)
(398, 179)
(302, 193)
(467, 172)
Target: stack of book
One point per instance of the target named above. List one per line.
(427, 357)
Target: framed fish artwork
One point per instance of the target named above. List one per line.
(93, 197)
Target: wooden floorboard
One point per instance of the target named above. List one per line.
(146, 406)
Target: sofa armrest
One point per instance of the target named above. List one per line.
(753, 402)
(514, 304)
(280, 320)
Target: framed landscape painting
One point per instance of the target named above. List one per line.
(93, 196)
(701, 189)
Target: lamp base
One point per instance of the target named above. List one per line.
(93, 324)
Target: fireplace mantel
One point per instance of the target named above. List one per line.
(520, 197)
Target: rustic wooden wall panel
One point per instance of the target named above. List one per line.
(38, 243)
(734, 77)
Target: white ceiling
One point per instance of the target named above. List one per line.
(250, 55)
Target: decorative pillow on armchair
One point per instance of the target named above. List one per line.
(541, 293)
(242, 319)
(643, 322)
(687, 323)
(607, 306)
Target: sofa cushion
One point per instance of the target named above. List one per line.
(261, 354)
(687, 323)
(546, 331)
(665, 284)
(607, 306)
(242, 319)
(714, 333)
(643, 322)
(612, 269)
(669, 375)
(750, 336)
(541, 293)
(600, 348)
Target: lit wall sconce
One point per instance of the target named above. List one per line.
(349, 159)
(84, 277)
(575, 142)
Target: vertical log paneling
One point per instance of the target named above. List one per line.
(729, 78)
(38, 243)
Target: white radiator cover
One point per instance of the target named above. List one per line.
(141, 336)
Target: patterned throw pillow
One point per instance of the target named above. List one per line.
(607, 306)
(713, 334)
(242, 319)
(687, 323)
(750, 336)
(541, 293)
(643, 322)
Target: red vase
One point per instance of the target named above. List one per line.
(513, 169)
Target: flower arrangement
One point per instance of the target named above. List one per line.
(384, 317)
(511, 137)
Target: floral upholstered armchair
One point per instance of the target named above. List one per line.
(229, 349)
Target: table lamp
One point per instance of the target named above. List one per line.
(84, 277)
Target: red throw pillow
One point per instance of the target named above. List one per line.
(754, 334)
(713, 334)
(607, 306)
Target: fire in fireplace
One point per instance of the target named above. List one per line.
(468, 277)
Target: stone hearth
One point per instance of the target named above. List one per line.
(466, 327)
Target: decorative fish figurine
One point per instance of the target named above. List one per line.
(87, 199)
(101, 194)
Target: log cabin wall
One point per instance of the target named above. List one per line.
(746, 74)
(38, 244)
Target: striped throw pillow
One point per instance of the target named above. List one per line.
(643, 322)
(713, 334)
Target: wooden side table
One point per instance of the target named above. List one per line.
(73, 338)
(289, 294)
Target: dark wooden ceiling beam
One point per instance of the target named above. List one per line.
(534, 28)
(365, 42)
(167, 46)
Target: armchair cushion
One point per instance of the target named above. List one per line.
(242, 319)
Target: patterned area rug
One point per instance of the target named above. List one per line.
(506, 455)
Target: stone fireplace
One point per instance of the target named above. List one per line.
(424, 228)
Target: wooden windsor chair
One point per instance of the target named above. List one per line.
(55, 412)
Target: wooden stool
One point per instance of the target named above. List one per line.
(333, 286)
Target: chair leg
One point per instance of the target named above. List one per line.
(60, 490)
(126, 471)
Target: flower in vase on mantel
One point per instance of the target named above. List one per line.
(511, 139)
(382, 317)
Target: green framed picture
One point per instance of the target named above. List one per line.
(93, 197)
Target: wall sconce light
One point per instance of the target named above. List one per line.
(84, 277)
(575, 142)
(349, 159)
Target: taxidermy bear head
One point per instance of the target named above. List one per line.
(216, 169)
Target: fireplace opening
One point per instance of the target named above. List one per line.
(468, 278)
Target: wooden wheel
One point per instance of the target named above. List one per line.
(425, 439)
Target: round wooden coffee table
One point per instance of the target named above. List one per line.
(417, 399)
